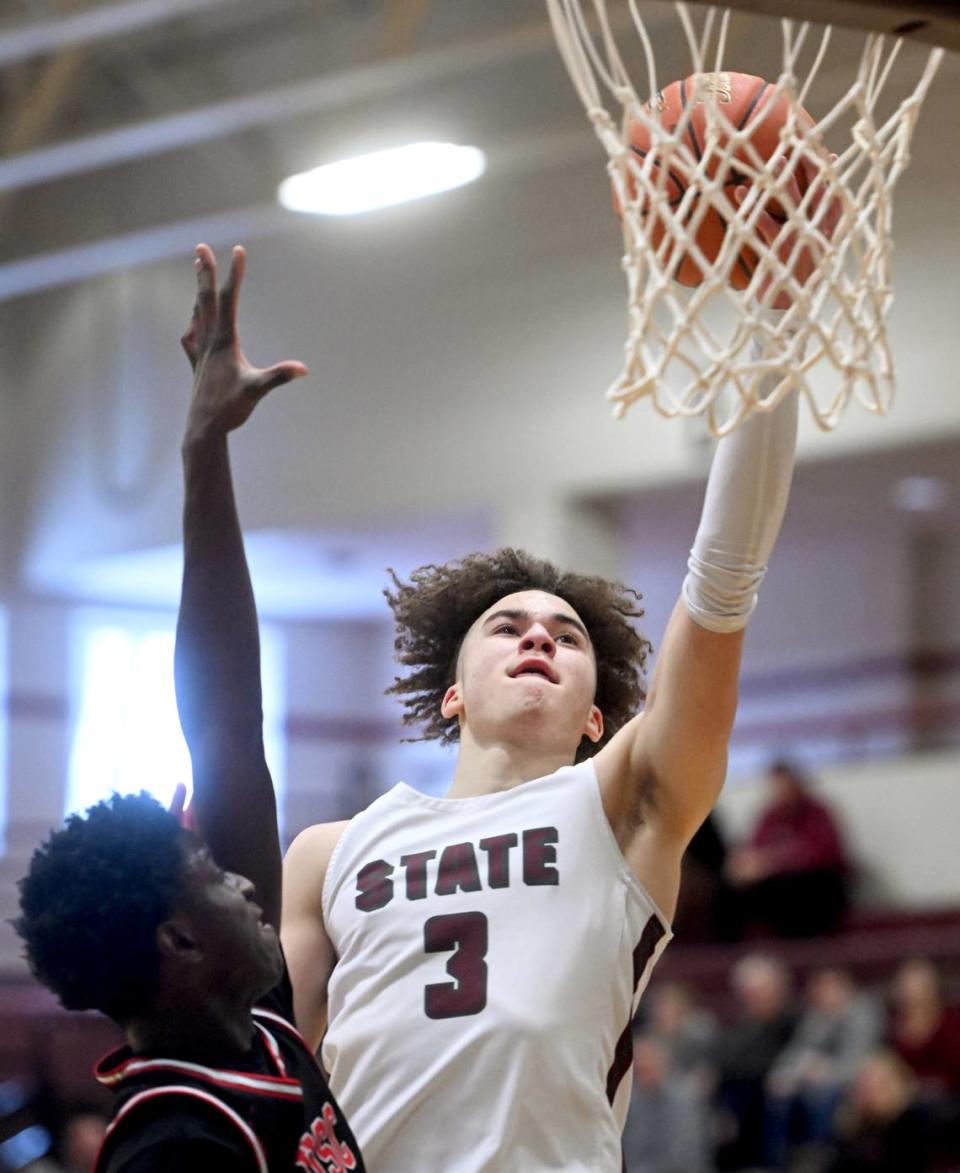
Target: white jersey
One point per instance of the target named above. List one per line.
(491, 953)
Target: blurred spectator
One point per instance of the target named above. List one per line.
(704, 901)
(80, 1141)
(926, 1033)
(77, 1144)
(883, 1128)
(666, 1129)
(790, 878)
(746, 1054)
(840, 1027)
(686, 1032)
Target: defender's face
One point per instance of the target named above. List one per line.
(527, 666)
(240, 952)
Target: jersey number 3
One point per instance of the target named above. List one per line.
(466, 933)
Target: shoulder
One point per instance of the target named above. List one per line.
(309, 855)
(318, 840)
(186, 1129)
(824, 811)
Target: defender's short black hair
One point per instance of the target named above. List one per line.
(435, 609)
(92, 900)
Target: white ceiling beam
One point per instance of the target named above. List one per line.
(177, 131)
(241, 225)
(95, 24)
(129, 250)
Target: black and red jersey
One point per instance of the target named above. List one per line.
(269, 1112)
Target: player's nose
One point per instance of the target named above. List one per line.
(246, 887)
(537, 639)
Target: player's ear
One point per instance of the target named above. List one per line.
(452, 703)
(176, 941)
(594, 726)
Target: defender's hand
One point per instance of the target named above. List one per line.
(181, 810)
(226, 387)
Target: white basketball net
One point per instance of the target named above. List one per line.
(689, 349)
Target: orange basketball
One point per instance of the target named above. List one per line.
(741, 100)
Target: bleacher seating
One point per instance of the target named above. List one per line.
(870, 946)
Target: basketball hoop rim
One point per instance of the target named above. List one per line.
(930, 24)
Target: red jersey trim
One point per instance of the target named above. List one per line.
(623, 1052)
(273, 1050)
(285, 1023)
(246, 1131)
(268, 1085)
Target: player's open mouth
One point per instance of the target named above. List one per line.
(535, 668)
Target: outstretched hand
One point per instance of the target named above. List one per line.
(823, 210)
(226, 387)
(182, 810)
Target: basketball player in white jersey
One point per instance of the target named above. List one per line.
(471, 964)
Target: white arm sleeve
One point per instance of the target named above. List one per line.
(744, 504)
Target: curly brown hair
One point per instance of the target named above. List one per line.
(436, 608)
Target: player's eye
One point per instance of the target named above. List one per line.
(505, 629)
(568, 637)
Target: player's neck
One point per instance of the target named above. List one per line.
(211, 1031)
(494, 767)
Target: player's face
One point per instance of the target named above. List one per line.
(241, 954)
(527, 666)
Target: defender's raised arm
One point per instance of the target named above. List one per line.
(217, 663)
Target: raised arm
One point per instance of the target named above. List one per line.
(663, 772)
(217, 660)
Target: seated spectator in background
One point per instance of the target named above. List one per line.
(746, 1053)
(924, 1032)
(79, 1140)
(791, 876)
(667, 1124)
(882, 1127)
(686, 1032)
(840, 1027)
(704, 901)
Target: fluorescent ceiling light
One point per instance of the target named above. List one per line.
(374, 181)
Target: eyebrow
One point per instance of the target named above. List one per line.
(557, 617)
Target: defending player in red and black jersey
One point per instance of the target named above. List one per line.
(126, 911)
